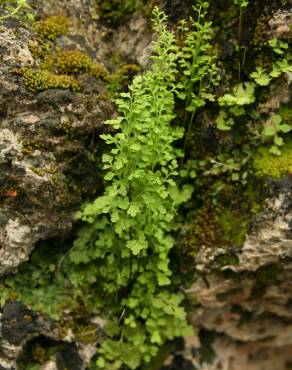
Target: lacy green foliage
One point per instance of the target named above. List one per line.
(16, 9)
(269, 165)
(273, 127)
(197, 63)
(128, 233)
(53, 26)
(242, 100)
(35, 284)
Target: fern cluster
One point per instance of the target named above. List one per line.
(197, 63)
(129, 226)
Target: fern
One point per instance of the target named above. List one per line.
(128, 233)
(197, 63)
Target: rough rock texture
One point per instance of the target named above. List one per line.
(43, 139)
(44, 166)
(46, 172)
(247, 307)
(18, 324)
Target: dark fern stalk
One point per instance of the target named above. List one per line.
(128, 233)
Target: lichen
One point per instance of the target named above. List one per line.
(270, 166)
(52, 26)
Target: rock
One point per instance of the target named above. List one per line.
(18, 324)
(133, 40)
(281, 24)
(43, 154)
(248, 305)
(69, 358)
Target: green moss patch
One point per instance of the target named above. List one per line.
(52, 26)
(40, 80)
(271, 166)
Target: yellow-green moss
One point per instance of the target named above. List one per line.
(271, 166)
(52, 26)
(39, 80)
(75, 61)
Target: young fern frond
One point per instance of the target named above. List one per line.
(128, 235)
(197, 64)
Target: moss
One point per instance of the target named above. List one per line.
(234, 225)
(52, 26)
(113, 12)
(39, 354)
(226, 260)
(86, 334)
(218, 227)
(159, 360)
(28, 146)
(39, 80)
(285, 112)
(224, 222)
(75, 61)
(270, 166)
(206, 231)
(43, 171)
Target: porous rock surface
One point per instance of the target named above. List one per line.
(43, 157)
(246, 308)
(45, 137)
(45, 168)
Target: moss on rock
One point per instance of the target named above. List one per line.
(268, 165)
(40, 80)
(75, 61)
(53, 26)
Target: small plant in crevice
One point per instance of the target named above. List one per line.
(240, 107)
(16, 9)
(197, 64)
(128, 235)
